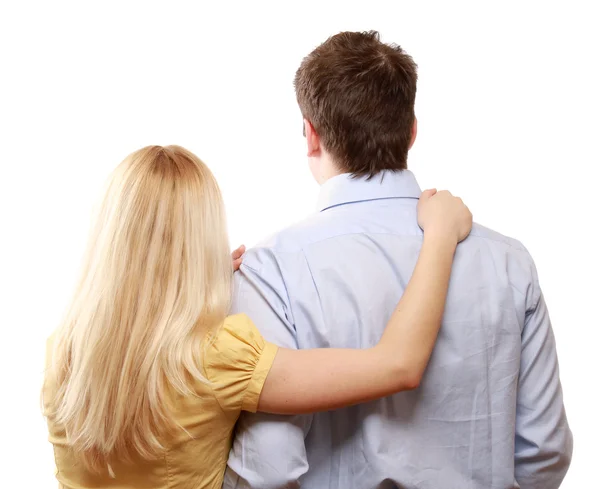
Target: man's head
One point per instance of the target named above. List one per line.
(357, 97)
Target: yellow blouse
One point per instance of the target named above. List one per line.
(236, 363)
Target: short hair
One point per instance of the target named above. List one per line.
(359, 95)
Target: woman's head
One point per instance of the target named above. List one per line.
(156, 280)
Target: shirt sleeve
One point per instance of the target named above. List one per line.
(268, 451)
(543, 440)
(237, 363)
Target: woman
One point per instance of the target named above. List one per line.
(147, 375)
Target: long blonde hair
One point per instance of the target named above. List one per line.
(155, 282)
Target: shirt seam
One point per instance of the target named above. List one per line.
(275, 249)
(167, 463)
(302, 248)
(358, 201)
(208, 340)
(219, 403)
(216, 397)
(288, 302)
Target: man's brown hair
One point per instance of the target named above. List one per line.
(359, 95)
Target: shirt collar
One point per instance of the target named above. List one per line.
(343, 189)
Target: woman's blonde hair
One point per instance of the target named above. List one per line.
(156, 281)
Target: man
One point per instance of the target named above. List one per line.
(489, 412)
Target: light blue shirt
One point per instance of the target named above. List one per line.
(489, 412)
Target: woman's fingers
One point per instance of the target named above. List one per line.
(236, 256)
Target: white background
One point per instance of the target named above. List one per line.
(508, 111)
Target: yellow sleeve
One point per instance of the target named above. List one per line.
(237, 362)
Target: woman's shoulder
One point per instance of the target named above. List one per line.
(236, 339)
(240, 327)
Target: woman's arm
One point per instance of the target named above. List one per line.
(302, 381)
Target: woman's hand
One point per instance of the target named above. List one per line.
(236, 256)
(441, 214)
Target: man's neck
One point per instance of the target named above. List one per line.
(328, 172)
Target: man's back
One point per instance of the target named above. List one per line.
(489, 411)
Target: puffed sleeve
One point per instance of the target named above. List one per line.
(237, 361)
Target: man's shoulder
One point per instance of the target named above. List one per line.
(289, 241)
(506, 252)
(318, 227)
(295, 239)
(292, 239)
(481, 234)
